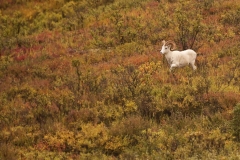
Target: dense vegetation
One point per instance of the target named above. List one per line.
(83, 79)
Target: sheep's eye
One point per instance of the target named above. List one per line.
(165, 47)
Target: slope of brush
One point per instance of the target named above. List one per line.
(84, 79)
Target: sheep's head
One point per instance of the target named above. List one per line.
(167, 46)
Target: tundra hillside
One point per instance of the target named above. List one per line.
(84, 79)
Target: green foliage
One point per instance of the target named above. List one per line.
(231, 17)
(235, 122)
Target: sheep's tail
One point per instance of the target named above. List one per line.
(200, 54)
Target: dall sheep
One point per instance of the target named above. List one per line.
(178, 58)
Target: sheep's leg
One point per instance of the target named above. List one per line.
(172, 66)
(193, 66)
(174, 77)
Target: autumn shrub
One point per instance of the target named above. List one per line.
(214, 141)
(125, 83)
(40, 72)
(183, 98)
(135, 91)
(116, 145)
(95, 4)
(125, 133)
(88, 139)
(129, 127)
(5, 61)
(235, 122)
(147, 108)
(95, 83)
(229, 58)
(183, 138)
(23, 136)
(109, 113)
(8, 151)
(129, 49)
(231, 17)
(86, 115)
(207, 4)
(189, 27)
(103, 42)
(76, 64)
(187, 96)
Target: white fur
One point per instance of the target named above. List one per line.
(179, 58)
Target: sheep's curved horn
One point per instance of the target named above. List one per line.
(172, 44)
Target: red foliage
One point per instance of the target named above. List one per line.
(226, 100)
(136, 59)
(152, 4)
(20, 57)
(44, 37)
(105, 66)
(41, 146)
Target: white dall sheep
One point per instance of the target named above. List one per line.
(178, 58)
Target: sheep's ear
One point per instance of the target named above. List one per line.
(163, 42)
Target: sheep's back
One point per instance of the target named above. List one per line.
(190, 53)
